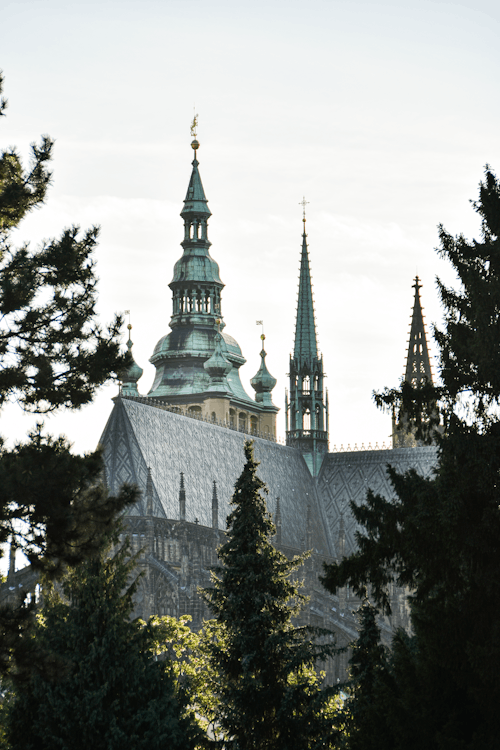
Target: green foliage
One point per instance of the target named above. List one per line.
(269, 694)
(369, 706)
(440, 535)
(110, 689)
(188, 657)
(53, 354)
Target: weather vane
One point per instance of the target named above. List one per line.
(194, 126)
(303, 203)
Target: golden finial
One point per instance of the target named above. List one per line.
(194, 132)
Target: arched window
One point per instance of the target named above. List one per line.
(306, 420)
(214, 417)
(253, 425)
(242, 421)
(195, 410)
(232, 417)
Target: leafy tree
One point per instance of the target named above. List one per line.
(269, 694)
(440, 536)
(53, 354)
(112, 690)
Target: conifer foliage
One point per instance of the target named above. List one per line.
(111, 691)
(53, 354)
(269, 696)
(440, 535)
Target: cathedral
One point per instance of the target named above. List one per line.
(182, 445)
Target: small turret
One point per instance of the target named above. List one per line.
(133, 373)
(263, 382)
(182, 500)
(218, 367)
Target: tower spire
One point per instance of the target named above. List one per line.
(417, 370)
(307, 411)
(306, 345)
(418, 365)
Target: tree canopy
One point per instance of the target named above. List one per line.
(53, 354)
(110, 690)
(440, 535)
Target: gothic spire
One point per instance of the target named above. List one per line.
(306, 407)
(418, 365)
(306, 346)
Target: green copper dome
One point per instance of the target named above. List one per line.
(263, 382)
(130, 377)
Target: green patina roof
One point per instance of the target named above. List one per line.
(195, 200)
(306, 347)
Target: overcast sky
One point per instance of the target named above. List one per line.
(382, 114)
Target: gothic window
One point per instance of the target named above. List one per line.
(306, 383)
(253, 425)
(306, 420)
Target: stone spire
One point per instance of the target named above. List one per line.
(215, 508)
(263, 382)
(417, 371)
(130, 377)
(306, 410)
(418, 365)
(182, 500)
(149, 493)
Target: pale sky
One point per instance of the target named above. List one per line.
(382, 114)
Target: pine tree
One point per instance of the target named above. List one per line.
(269, 694)
(53, 354)
(112, 690)
(440, 535)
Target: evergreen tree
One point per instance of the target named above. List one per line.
(368, 677)
(269, 695)
(440, 536)
(53, 354)
(112, 690)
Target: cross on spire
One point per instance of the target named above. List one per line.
(303, 203)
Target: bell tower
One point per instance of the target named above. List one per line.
(306, 403)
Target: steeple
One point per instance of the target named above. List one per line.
(130, 377)
(307, 410)
(196, 339)
(306, 345)
(417, 371)
(418, 366)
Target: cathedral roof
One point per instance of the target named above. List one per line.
(139, 435)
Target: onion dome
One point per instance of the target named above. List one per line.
(217, 366)
(263, 382)
(132, 374)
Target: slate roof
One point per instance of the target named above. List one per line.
(140, 435)
(348, 476)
